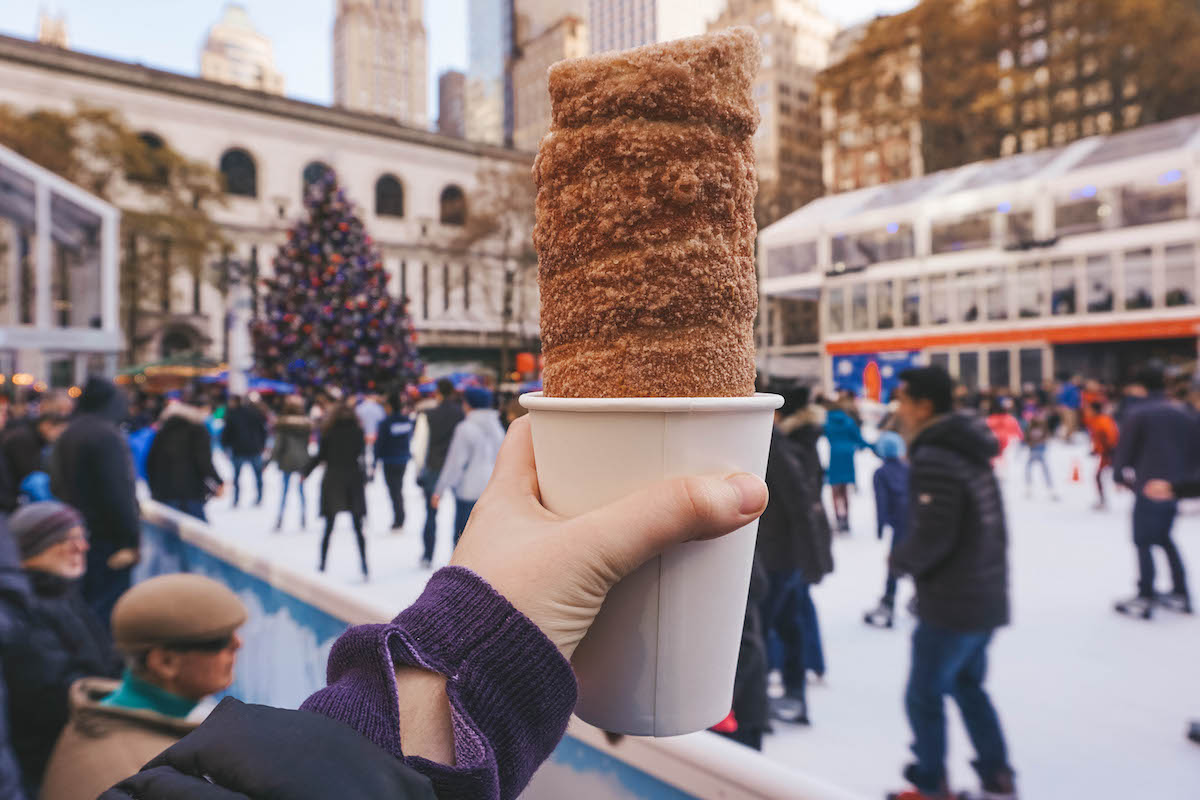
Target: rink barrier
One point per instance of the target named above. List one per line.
(295, 618)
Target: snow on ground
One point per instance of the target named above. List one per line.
(1094, 705)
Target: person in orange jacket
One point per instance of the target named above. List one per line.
(1103, 429)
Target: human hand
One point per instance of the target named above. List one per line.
(125, 557)
(1157, 489)
(433, 501)
(557, 571)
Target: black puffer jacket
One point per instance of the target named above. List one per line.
(343, 487)
(957, 543)
(257, 751)
(790, 531)
(179, 465)
(14, 610)
(61, 642)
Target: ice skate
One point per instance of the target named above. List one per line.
(1136, 607)
(790, 709)
(1179, 602)
(880, 617)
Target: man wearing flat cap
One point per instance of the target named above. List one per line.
(178, 634)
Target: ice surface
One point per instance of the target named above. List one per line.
(1094, 705)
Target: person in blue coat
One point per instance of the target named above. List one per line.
(845, 439)
(891, 511)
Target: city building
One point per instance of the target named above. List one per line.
(379, 59)
(452, 99)
(1010, 272)
(412, 188)
(870, 97)
(236, 53)
(621, 24)
(565, 38)
(58, 278)
(489, 106)
(52, 30)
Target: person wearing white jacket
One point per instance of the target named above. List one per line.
(472, 455)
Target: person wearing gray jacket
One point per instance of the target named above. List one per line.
(471, 456)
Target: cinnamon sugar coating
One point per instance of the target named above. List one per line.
(645, 221)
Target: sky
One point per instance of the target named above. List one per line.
(168, 34)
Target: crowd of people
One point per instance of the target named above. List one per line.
(99, 676)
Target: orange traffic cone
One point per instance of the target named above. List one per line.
(1075, 471)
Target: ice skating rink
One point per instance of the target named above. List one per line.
(1094, 705)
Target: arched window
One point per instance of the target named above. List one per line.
(148, 166)
(389, 197)
(313, 173)
(239, 172)
(454, 206)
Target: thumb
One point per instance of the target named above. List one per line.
(628, 532)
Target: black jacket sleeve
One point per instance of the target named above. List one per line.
(256, 751)
(116, 506)
(936, 510)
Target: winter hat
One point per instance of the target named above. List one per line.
(890, 445)
(477, 397)
(37, 527)
(97, 395)
(175, 610)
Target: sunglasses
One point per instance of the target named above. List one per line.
(203, 645)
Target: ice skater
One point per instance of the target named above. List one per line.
(343, 487)
(1161, 441)
(845, 439)
(956, 549)
(1037, 438)
(1105, 436)
(891, 511)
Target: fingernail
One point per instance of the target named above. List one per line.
(752, 492)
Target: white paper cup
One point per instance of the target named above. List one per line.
(660, 658)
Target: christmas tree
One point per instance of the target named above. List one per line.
(328, 318)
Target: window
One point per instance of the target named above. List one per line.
(1139, 284)
(466, 287)
(1030, 365)
(1164, 199)
(147, 164)
(453, 206)
(239, 173)
(940, 360)
(968, 370)
(1081, 212)
(75, 287)
(858, 307)
(1099, 283)
(1031, 298)
(911, 303)
(885, 293)
(315, 171)
(968, 296)
(791, 259)
(857, 250)
(1018, 227)
(998, 373)
(1180, 275)
(939, 300)
(837, 310)
(995, 292)
(389, 197)
(1062, 287)
(970, 232)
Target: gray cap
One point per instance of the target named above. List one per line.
(38, 526)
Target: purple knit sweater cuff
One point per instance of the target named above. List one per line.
(511, 692)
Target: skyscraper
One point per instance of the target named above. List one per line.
(236, 53)
(452, 87)
(379, 59)
(621, 24)
(567, 37)
(489, 108)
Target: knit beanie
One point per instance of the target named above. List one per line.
(39, 526)
(890, 445)
(477, 397)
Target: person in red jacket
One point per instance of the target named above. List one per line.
(1103, 429)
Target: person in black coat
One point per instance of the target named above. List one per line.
(91, 470)
(1160, 440)
(61, 639)
(392, 446)
(956, 549)
(179, 466)
(15, 598)
(343, 487)
(796, 551)
(24, 447)
(245, 437)
(750, 713)
(439, 422)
